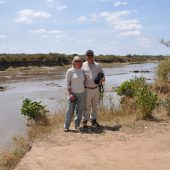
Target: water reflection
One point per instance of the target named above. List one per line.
(51, 90)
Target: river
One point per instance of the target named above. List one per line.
(52, 92)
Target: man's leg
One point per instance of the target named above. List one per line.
(95, 106)
(87, 108)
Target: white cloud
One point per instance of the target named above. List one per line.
(2, 1)
(94, 17)
(26, 16)
(105, 0)
(44, 36)
(130, 33)
(143, 41)
(3, 36)
(112, 42)
(61, 7)
(85, 41)
(55, 31)
(128, 25)
(119, 22)
(39, 31)
(82, 19)
(119, 3)
(42, 31)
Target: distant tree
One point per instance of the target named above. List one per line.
(164, 42)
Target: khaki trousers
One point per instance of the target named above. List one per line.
(91, 104)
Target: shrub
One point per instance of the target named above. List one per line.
(129, 88)
(126, 89)
(146, 101)
(34, 111)
(163, 70)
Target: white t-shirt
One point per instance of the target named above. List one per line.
(75, 80)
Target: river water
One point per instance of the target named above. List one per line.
(52, 92)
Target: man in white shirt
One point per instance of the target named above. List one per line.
(91, 71)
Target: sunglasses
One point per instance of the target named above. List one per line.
(89, 55)
(78, 61)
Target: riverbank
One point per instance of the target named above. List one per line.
(137, 145)
(56, 59)
(21, 73)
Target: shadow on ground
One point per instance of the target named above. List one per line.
(99, 130)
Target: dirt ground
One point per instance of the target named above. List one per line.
(141, 145)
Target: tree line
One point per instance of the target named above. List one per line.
(57, 59)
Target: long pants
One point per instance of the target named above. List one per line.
(91, 104)
(77, 105)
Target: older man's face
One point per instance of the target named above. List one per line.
(90, 58)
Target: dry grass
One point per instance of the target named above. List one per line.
(9, 159)
(125, 113)
(162, 88)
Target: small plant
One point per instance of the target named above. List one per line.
(34, 111)
(146, 101)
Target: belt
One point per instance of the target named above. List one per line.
(91, 87)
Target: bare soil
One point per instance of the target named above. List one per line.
(140, 145)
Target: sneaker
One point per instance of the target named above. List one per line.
(84, 124)
(95, 123)
(66, 130)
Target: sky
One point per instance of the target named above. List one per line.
(118, 27)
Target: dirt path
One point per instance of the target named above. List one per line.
(136, 146)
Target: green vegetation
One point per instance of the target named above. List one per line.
(56, 59)
(163, 70)
(34, 111)
(144, 98)
(130, 87)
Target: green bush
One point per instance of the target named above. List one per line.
(126, 89)
(163, 70)
(146, 101)
(144, 98)
(34, 111)
(129, 88)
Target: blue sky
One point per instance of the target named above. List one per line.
(117, 27)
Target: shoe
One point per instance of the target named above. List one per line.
(66, 130)
(84, 124)
(95, 123)
(77, 129)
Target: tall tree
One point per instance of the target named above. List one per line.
(164, 42)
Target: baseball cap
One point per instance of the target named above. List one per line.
(89, 52)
